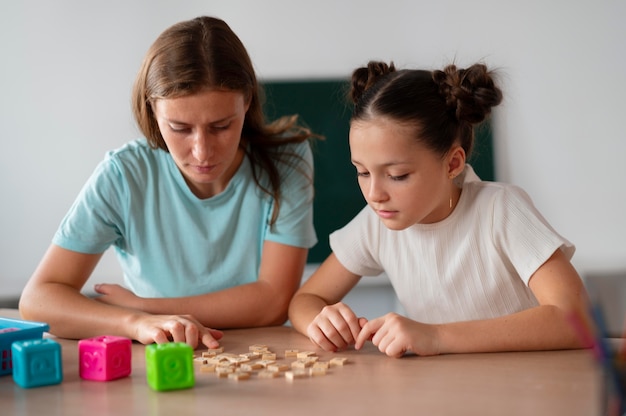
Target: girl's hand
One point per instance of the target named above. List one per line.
(335, 327)
(113, 294)
(396, 335)
(175, 328)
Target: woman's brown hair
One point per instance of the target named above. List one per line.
(204, 53)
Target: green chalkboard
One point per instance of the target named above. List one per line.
(322, 105)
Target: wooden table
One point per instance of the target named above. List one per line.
(529, 383)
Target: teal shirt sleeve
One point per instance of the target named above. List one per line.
(294, 225)
(95, 220)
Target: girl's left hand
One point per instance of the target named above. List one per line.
(396, 335)
(114, 294)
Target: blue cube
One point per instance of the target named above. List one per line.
(36, 362)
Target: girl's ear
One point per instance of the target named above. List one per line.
(455, 161)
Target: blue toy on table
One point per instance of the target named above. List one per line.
(37, 362)
(12, 330)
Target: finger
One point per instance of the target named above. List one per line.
(365, 335)
(344, 321)
(368, 331)
(100, 288)
(209, 336)
(389, 344)
(395, 349)
(209, 340)
(177, 331)
(192, 335)
(338, 331)
(383, 342)
(160, 337)
(323, 337)
(216, 333)
(352, 322)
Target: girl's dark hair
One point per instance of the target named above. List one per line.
(443, 105)
(205, 53)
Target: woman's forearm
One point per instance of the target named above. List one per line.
(71, 314)
(249, 305)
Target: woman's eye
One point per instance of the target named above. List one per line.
(221, 126)
(362, 174)
(179, 129)
(399, 177)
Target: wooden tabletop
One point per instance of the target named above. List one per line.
(370, 383)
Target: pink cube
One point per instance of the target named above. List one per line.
(104, 358)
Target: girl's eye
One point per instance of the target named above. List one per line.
(398, 178)
(362, 174)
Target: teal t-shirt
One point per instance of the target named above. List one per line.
(170, 243)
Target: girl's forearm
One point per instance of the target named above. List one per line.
(303, 309)
(540, 328)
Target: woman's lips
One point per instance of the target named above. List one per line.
(204, 169)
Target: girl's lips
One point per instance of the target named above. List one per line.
(386, 214)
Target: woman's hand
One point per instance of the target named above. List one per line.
(335, 327)
(396, 335)
(159, 328)
(175, 328)
(114, 294)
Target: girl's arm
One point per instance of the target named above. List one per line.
(261, 303)
(317, 312)
(52, 295)
(557, 287)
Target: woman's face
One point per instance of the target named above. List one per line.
(402, 181)
(202, 132)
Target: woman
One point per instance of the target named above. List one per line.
(210, 214)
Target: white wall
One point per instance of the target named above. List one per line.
(66, 68)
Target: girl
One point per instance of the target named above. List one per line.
(210, 215)
(474, 264)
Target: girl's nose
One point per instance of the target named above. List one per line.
(376, 191)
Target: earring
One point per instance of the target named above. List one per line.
(451, 177)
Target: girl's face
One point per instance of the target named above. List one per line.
(402, 181)
(202, 132)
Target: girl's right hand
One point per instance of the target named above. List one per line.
(335, 327)
(162, 329)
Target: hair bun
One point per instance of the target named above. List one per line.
(470, 93)
(363, 78)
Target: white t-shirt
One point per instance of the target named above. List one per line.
(474, 264)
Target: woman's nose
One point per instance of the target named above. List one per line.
(201, 147)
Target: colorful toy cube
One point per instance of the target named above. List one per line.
(170, 366)
(37, 362)
(104, 358)
(12, 330)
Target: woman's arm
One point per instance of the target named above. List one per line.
(52, 295)
(557, 287)
(261, 303)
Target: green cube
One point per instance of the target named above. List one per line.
(170, 366)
